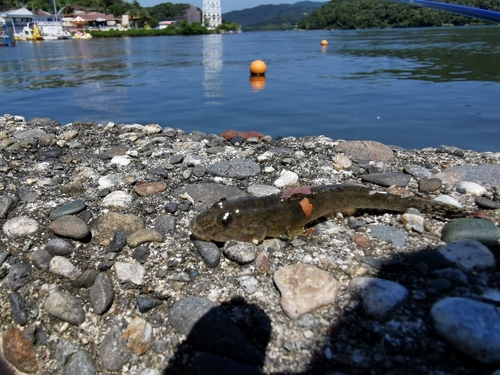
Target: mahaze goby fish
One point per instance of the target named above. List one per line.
(284, 215)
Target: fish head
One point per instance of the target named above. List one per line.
(223, 222)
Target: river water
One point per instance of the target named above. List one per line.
(409, 87)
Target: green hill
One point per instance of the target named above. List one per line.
(272, 17)
(362, 14)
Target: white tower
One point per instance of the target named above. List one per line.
(211, 14)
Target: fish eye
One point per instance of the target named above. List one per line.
(224, 219)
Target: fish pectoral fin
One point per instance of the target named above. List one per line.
(292, 233)
(253, 233)
(307, 232)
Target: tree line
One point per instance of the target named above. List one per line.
(145, 17)
(363, 14)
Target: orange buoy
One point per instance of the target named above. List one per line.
(258, 67)
(324, 42)
(258, 82)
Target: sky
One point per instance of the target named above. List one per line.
(226, 5)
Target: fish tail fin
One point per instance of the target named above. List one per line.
(435, 208)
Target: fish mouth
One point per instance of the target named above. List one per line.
(195, 230)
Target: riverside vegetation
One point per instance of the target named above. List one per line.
(99, 272)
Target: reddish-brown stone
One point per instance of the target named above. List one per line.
(150, 188)
(362, 241)
(230, 134)
(19, 351)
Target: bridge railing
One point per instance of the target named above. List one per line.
(462, 10)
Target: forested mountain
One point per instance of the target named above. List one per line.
(272, 17)
(341, 14)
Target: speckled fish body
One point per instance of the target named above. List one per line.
(284, 215)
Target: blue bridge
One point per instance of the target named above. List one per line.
(462, 10)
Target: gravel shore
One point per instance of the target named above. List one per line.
(99, 273)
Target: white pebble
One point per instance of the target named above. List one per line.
(120, 160)
(448, 199)
(471, 188)
(117, 199)
(287, 178)
(19, 227)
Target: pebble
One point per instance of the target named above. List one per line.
(165, 225)
(236, 168)
(17, 305)
(449, 177)
(209, 252)
(389, 234)
(480, 230)
(378, 297)
(473, 327)
(487, 203)
(483, 173)
(86, 279)
(449, 200)
(41, 259)
(387, 179)
(468, 254)
(70, 226)
(342, 161)
(20, 227)
(417, 171)
(63, 352)
(122, 160)
(6, 203)
(129, 272)
(118, 200)
(240, 252)
(304, 288)
(429, 185)
(453, 275)
(101, 294)
(19, 351)
(366, 151)
(260, 190)
(150, 188)
(118, 242)
(262, 263)
(413, 221)
(58, 246)
(26, 195)
(111, 181)
(185, 313)
(63, 267)
(141, 254)
(66, 307)
(145, 304)
(287, 178)
(471, 188)
(80, 364)
(143, 236)
(249, 284)
(67, 209)
(113, 351)
(112, 222)
(18, 276)
(138, 335)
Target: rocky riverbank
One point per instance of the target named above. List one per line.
(100, 275)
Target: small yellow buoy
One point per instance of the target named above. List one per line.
(258, 67)
(324, 42)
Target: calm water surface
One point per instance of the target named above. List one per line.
(414, 88)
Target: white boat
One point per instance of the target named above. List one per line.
(52, 30)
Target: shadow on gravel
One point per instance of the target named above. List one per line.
(403, 343)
